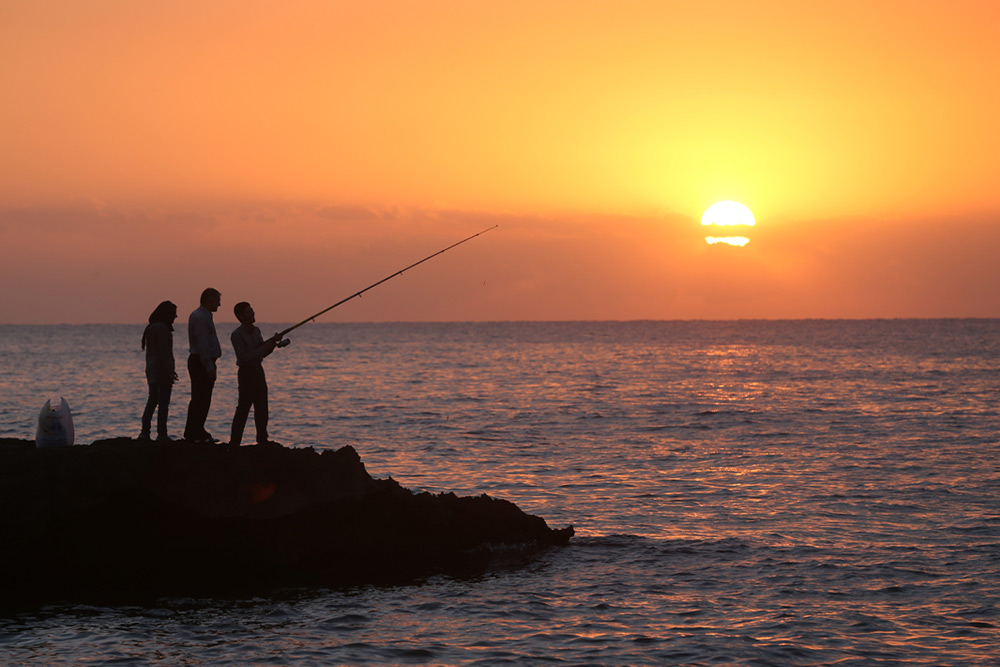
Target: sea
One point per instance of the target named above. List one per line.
(806, 492)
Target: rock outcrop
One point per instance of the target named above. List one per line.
(122, 520)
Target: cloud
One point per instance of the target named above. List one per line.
(89, 262)
(346, 213)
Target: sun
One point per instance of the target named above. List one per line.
(726, 214)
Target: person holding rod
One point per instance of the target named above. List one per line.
(251, 348)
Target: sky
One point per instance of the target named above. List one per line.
(291, 153)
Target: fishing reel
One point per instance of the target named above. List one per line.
(284, 342)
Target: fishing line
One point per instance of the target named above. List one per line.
(357, 294)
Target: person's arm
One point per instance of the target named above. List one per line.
(250, 351)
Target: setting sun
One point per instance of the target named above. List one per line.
(725, 214)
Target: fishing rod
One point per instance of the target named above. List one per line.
(356, 294)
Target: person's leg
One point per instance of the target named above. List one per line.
(209, 388)
(245, 400)
(163, 410)
(260, 414)
(147, 414)
(201, 398)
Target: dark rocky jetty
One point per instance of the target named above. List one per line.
(122, 520)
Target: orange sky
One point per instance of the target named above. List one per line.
(291, 153)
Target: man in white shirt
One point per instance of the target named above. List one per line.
(205, 351)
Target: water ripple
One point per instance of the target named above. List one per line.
(744, 493)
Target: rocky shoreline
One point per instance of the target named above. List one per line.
(122, 520)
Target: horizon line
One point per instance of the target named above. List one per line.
(558, 321)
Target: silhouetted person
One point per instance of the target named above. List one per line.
(158, 341)
(251, 348)
(205, 351)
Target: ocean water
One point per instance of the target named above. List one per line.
(744, 493)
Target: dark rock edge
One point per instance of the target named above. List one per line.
(122, 521)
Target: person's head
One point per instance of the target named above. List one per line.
(166, 313)
(211, 298)
(244, 312)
